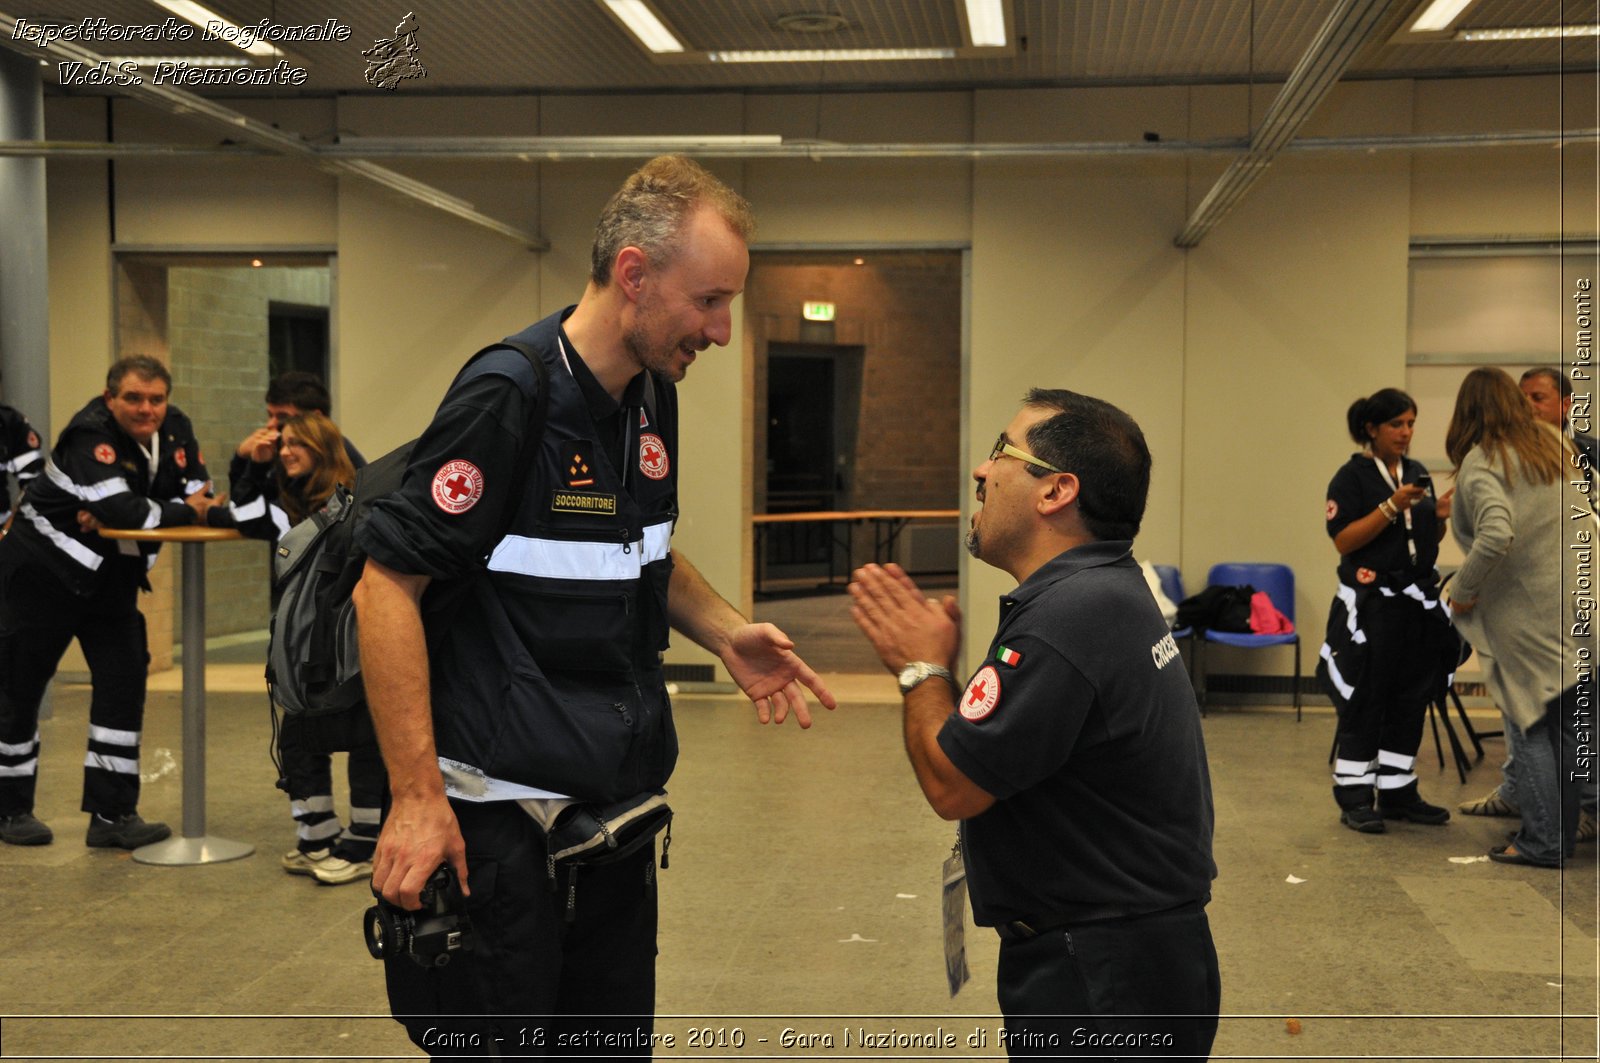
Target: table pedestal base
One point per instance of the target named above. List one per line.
(186, 852)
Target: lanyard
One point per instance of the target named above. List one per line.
(1383, 471)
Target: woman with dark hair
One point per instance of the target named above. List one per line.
(312, 464)
(1387, 630)
(1510, 473)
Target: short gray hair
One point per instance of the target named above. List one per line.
(649, 210)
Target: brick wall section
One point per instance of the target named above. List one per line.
(217, 331)
(142, 329)
(904, 309)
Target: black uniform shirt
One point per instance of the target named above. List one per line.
(20, 454)
(1355, 490)
(1083, 725)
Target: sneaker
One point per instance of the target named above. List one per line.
(1364, 820)
(1403, 802)
(1588, 826)
(1491, 804)
(300, 862)
(24, 829)
(127, 831)
(336, 871)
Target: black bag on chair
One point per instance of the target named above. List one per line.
(1217, 608)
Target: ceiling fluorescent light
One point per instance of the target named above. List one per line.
(643, 24)
(832, 55)
(1529, 33)
(219, 28)
(986, 21)
(188, 60)
(1439, 15)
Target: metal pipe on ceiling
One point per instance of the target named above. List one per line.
(1347, 29)
(473, 149)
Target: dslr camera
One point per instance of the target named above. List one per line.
(430, 935)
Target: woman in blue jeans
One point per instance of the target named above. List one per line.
(1513, 502)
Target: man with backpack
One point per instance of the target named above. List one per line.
(505, 689)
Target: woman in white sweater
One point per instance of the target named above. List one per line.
(1512, 498)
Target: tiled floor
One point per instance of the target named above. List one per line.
(802, 894)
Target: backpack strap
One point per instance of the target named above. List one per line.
(533, 432)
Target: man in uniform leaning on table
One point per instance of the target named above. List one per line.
(126, 460)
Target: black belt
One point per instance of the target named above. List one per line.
(1027, 930)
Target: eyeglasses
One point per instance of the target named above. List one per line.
(1002, 448)
(293, 444)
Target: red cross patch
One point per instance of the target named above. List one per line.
(457, 486)
(982, 695)
(1333, 509)
(652, 456)
(33, 439)
(1365, 575)
(180, 458)
(105, 455)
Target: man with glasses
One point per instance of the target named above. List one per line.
(1073, 756)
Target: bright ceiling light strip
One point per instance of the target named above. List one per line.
(832, 55)
(191, 60)
(203, 17)
(1439, 15)
(986, 19)
(643, 24)
(1529, 33)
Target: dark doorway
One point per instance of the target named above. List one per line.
(297, 339)
(813, 401)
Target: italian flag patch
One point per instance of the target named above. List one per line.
(1007, 655)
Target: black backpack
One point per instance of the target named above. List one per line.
(313, 661)
(1217, 608)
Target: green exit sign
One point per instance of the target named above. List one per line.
(817, 311)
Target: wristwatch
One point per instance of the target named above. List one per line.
(917, 671)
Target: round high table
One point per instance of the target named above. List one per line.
(193, 845)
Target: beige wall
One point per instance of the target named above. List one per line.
(1238, 357)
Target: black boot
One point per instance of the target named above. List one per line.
(1404, 803)
(1355, 809)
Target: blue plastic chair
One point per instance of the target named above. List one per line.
(1278, 583)
(1172, 587)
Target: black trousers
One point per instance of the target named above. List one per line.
(1390, 702)
(39, 618)
(1113, 989)
(560, 967)
(308, 771)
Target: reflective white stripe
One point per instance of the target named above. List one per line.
(120, 765)
(1387, 759)
(280, 521)
(316, 832)
(555, 559)
(87, 492)
(1334, 675)
(18, 771)
(250, 510)
(368, 816)
(154, 519)
(22, 461)
(320, 803)
(65, 543)
(192, 486)
(5, 516)
(21, 750)
(112, 736)
(1395, 782)
(1354, 772)
(471, 784)
(1347, 595)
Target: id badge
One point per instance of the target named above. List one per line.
(954, 898)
